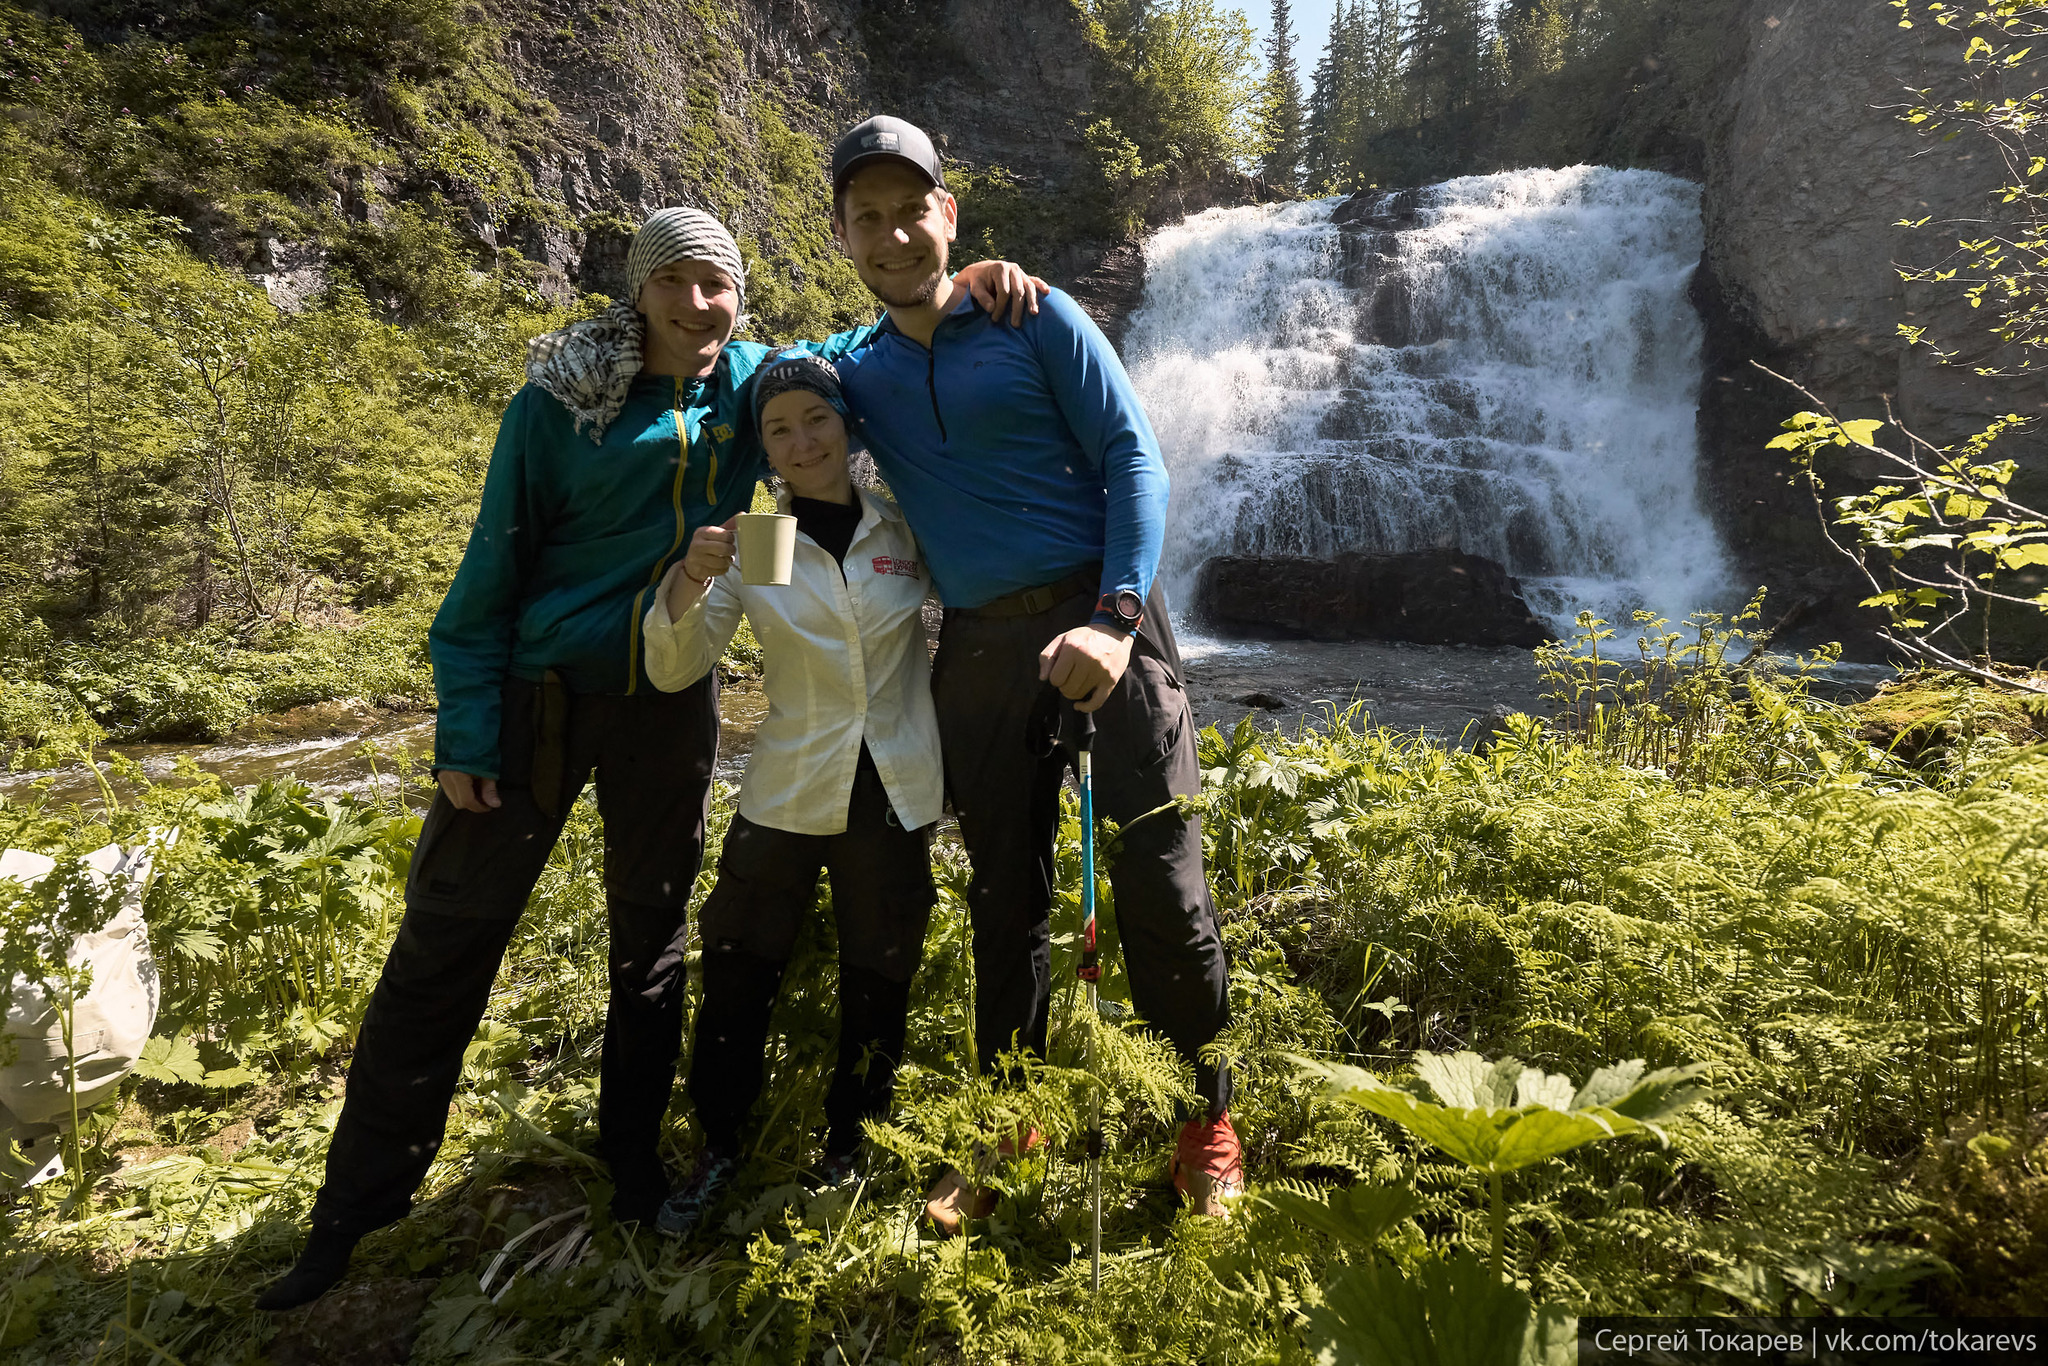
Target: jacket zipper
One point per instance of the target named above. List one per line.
(676, 499)
(931, 384)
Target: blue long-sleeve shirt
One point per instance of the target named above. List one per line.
(571, 538)
(1019, 454)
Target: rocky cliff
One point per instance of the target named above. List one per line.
(732, 107)
(1808, 175)
(541, 131)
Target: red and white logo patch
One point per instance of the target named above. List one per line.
(889, 564)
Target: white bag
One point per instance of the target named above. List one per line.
(110, 1023)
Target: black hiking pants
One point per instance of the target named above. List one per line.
(985, 684)
(471, 875)
(882, 895)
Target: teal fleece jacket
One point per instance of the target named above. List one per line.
(571, 537)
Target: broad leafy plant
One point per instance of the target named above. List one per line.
(1496, 1117)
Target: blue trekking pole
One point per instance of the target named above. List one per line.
(1090, 971)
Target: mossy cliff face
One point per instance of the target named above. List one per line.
(530, 136)
(1807, 177)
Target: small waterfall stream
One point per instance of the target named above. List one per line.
(1507, 364)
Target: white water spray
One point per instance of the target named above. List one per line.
(1507, 364)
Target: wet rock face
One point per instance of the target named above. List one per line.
(1805, 184)
(1429, 597)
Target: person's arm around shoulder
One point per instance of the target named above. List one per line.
(998, 286)
(470, 642)
(694, 613)
(1095, 397)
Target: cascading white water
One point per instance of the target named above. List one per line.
(1507, 364)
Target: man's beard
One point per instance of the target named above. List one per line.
(919, 294)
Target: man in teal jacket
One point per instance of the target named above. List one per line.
(626, 439)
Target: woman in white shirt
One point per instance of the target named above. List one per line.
(844, 776)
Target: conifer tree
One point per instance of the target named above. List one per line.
(1281, 165)
(1320, 154)
(1445, 43)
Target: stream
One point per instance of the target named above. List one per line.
(1454, 692)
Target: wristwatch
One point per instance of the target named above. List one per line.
(1123, 610)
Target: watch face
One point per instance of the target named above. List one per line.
(1129, 605)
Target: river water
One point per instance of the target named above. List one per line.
(1449, 690)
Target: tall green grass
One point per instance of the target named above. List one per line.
(1852, 946)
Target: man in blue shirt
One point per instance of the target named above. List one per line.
(1034, 483)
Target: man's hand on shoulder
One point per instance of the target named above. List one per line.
(469, 792)
(1085, 664)
(995, 284)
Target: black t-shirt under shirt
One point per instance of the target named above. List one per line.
(831, 525)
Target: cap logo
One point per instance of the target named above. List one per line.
(886, 142)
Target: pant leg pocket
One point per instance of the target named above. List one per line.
(767, 883)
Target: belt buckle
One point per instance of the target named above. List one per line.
(1038, 600)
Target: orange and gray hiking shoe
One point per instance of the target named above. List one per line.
(957, 1198)
(1208, 1165)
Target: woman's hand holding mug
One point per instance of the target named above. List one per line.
(710, 555)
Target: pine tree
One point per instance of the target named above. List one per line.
(1281, 165)
(1446, 40)
(1316, 143)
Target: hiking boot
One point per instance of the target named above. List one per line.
(686, 1208)
(319, 1268)
(956, 1199)
(1208, 1165)
(638, 1188)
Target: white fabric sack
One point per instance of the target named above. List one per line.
(112, 1021)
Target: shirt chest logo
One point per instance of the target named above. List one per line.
(890, 564)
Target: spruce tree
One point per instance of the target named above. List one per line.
(1320, 152)
(1281, 165)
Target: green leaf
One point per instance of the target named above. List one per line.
(1466, 1079)
(1451, 1313)
(2020, 556)
(170, 1060)
(1360, 1215)
(1862, 431)
(1493, 1137)
(228, 1078)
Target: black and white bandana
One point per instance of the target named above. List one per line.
(590, 365)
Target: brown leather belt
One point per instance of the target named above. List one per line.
(1029, 602)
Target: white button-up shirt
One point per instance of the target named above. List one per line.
(843, 660)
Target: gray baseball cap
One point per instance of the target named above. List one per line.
(883, 138)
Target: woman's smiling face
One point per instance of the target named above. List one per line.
(805, 439)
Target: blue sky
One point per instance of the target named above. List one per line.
(1311, 27)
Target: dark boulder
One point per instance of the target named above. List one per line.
(1430, 597)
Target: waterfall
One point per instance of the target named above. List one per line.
(1507, 364)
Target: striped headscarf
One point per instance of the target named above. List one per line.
(590, 365)
(683, 234)
(786, 370)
